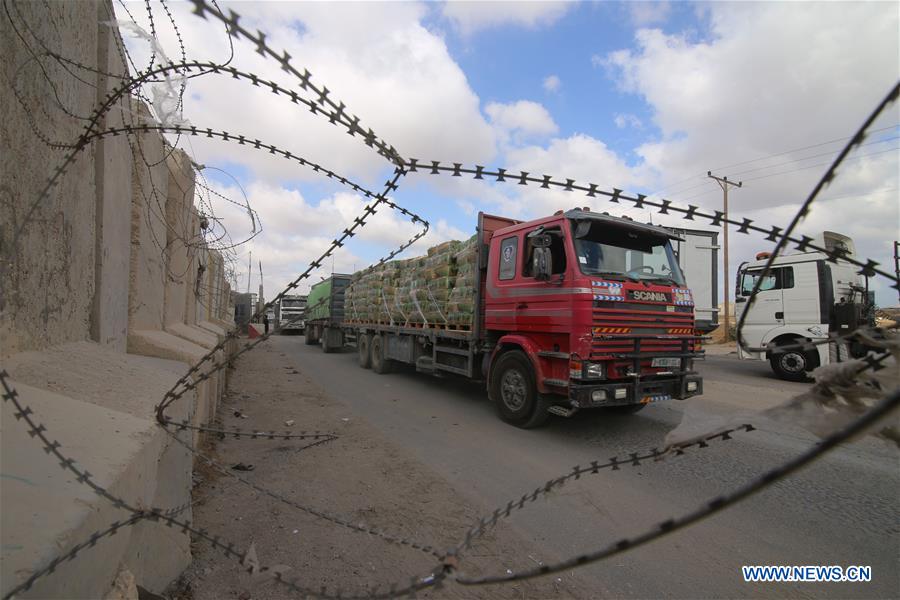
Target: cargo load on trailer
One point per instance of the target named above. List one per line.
(435, 290)
(325, 312)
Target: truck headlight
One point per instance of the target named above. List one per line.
(593, 370)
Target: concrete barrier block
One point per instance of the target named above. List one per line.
(194, 334)
(58, 243)
(225, 354)
(181, 237)
(113, 180)
(165, 345)
(99, 405)
(208, 341)
(150, 184)
(213, 328)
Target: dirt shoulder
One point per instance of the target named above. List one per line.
(361, 477)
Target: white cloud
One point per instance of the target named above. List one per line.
(580, 157)
(470, 17)
(646, 12)
(551, 83)
(296, 231)
(377, 58)
(623, 120)
(733, 98)
(522, 117)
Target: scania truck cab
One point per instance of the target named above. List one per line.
(592, 308)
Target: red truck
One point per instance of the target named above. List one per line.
(573, 311)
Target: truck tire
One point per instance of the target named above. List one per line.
(380, 363)
(792, 365)
(364, 347)
(311, 338)
(327, 348)
(514, 391)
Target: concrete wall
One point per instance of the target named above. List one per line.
(150, 185)
(102, 309)
(113, 182)
(59, 242)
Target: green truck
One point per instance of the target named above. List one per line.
(325, 313)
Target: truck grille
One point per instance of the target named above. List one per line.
(615, 324)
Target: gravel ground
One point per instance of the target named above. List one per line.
(362, 477)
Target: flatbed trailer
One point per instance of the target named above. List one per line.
(545, 344)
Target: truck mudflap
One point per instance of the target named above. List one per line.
(642, 391)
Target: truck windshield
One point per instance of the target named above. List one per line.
(619, 252)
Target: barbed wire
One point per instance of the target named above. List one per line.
(91, 134)
(318, 100)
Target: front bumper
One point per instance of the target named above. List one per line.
(642, 391)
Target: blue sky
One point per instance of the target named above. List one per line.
(641, 96)
(511, 63)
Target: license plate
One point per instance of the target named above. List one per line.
(666, 362)
(655, 398)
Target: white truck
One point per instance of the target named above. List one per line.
(291, 314)
(803, 297)
(698, 256)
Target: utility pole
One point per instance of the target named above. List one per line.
(249, 271)
(260, 301)
(897, 262)
(724, 183)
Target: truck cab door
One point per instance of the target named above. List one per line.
(767, 310)
(545, 305)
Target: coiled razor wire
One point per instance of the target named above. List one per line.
(319, 102)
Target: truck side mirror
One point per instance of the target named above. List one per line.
(542, 264)
(540, 240)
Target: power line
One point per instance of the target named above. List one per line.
(701, 175)
(821, 164)
(842, 139)
(853, 196)
(821, 154)
(757, 178)
(687, 189)
(676, 184)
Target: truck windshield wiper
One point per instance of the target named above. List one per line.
(660, 278)
(614, 274)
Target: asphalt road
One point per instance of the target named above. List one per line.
(843, 510)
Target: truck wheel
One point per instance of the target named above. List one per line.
(364, 346)
(327, 348)
(310, 336)
(515, 393)
(793, 365)
(380, 363)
